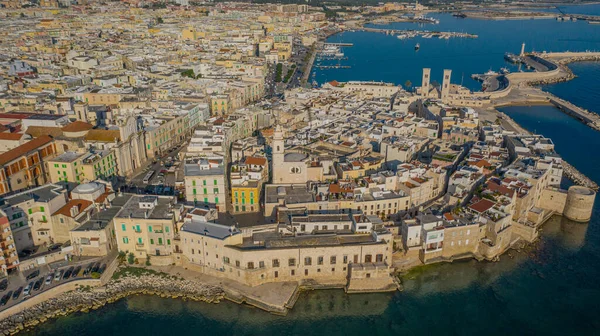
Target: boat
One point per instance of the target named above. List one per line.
(504, 71)
(460, 15)
(491, 73)
(594, 22)
(401, 36)
(417, 46)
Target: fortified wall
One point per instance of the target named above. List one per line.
(575, 204)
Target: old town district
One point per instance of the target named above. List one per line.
(108, 147)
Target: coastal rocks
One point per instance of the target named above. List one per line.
(577, 177)
(85, 299)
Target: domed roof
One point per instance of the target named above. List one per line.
(87, 188)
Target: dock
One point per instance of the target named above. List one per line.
(522, 87)
(338, 44)
(322, 67)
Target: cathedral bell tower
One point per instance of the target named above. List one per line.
(278, 155)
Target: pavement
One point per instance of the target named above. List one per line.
(269, 295)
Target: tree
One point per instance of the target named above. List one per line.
(188, 73)
(148, 260)
(121, 257)
(131, 258)
(160, 20)
(408, 84)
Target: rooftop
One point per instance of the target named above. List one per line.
(162, 209)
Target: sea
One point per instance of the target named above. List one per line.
(550, 288)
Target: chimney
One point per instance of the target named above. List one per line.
(74, 211)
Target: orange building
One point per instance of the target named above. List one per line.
(8, 252)
(23, 166)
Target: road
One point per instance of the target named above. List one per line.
(18, 280)
(137, 185)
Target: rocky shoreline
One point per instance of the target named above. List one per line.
(86, 298)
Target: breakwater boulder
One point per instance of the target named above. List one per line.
(86, 298)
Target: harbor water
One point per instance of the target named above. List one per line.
(550, 288)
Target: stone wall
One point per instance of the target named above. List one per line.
(579, 204)
(553, 199)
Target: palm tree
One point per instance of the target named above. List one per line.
(408, 84)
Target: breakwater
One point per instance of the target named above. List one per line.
(86, 298)
(577, 177)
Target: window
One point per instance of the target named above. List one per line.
(305, 272)
(345, 259)
(332, 260)
(379, 258)
(140, 241)
(292, 262)
(30, 211)
(42, 209)
(293, 272)
(275, 262)
(216, 190)
(160, 241)
(215, 182)
(226, 260)
(168, 241)
(125, 240)
(320, 260)
(149, 228)
(261, 264)
(276, 274)
(151, 241)
(166, 229)
(250, 265)
(308, 261)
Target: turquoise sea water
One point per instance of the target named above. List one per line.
(551, 289)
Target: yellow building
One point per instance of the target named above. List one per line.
(245, 197)
(219, 104)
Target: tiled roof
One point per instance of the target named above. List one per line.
(38, 131)
(103, 135)
(66, 209)
(251, 160)
(77, 126)
(482, 206)
(24, 149)
(11, 136)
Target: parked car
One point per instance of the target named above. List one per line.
(88, 269)
(49, 278)
(102, 269)
(38, 284)
(5, 298)
(96, 267)
(33, 275)
(76, 271)
(68, 273)
(3, 284)
(58, 275)
(17, 293)
(27, 290)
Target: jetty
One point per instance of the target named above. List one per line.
(521, 87)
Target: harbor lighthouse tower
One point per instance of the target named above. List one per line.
(522, 49)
